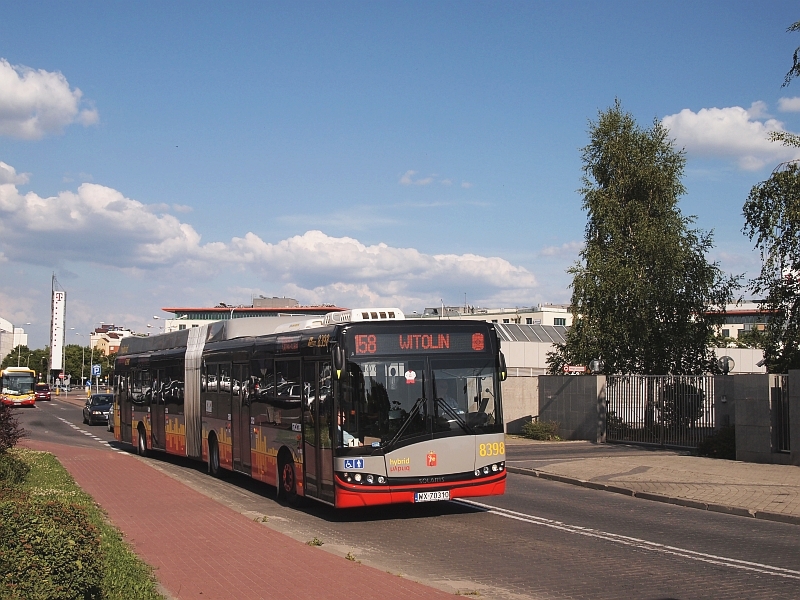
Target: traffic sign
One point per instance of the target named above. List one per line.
(95, 370)
(61, 376)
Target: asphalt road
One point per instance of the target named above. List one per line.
(543, 539)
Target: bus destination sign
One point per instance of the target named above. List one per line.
(438, 343)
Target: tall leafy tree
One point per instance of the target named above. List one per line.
(786, 138)
(25, 357)
(645, 299)
(772, 219)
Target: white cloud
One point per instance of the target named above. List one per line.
(34, 103)
(569, 249)
(99, 225)
(466, 185)
(789, 104)
(8, 174)
(446, 182)
(731, 132)
(408, 179)
(758, 110)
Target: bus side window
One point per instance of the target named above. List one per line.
(261, 385)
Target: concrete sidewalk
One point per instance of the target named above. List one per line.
(202, 549)
(769, 492)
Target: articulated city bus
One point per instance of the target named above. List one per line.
(17, 386)
(360, 408)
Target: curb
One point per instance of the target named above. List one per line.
(719, 508)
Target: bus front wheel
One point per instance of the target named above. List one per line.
(213, 457)
(287, 485)
(142, 445)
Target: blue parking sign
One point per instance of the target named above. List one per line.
(95, 370)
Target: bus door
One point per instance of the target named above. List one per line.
(240, 418)
(125, 408)
(157, 434)
(317, 414)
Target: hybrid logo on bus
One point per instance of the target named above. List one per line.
(352, 464)
(399, 464)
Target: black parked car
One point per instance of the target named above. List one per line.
(97, 408)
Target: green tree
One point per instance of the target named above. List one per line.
(786, 138)
(25, 357)
(644, 297)
(772, 219)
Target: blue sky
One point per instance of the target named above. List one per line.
(189, 153)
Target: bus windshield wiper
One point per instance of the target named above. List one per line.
(414, 410)
(453, 413)
(449, 409)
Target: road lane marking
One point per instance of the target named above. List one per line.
(93, 436)
(625, 540)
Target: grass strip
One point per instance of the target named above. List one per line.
(125, 575)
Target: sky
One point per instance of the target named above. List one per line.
(403, 154)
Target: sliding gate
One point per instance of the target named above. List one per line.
(663, 410)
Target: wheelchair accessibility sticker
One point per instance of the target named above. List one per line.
(354, 463)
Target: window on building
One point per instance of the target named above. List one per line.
(494, 320)
(726, 333)
(529, 321)
(505, 321)
(558, 321)
(181, 327)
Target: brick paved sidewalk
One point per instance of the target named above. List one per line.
(763, 491)
(202, 549)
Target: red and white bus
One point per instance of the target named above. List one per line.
(360, 408)
(17, 386)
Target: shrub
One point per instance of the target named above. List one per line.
(681, 404)
(54, 542)
(10, 429)
(13, 471)
(721, 444)
(541, 430)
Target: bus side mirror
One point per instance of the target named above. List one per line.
(503, 370)
(338, 360)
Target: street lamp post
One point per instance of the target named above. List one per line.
(19, 347)
(83, 355)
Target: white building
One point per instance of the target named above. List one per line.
(186, 318)
(11, 337)
(106, 338)
(555, 315)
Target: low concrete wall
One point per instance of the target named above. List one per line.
(752, 418)
(520, 402)
(577, 403)
(794, 416)
(724, 401)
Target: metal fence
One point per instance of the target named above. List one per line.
(779, 395)
(663, 410)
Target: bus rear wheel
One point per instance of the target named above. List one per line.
(287, 484)
(142, 445)
(213, 457)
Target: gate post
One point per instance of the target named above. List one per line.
(794, 416)
(601, 408)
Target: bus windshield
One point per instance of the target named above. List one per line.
(17, 385)
(392, 401)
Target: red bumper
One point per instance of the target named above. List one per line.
(348, 495)
(23, 402)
